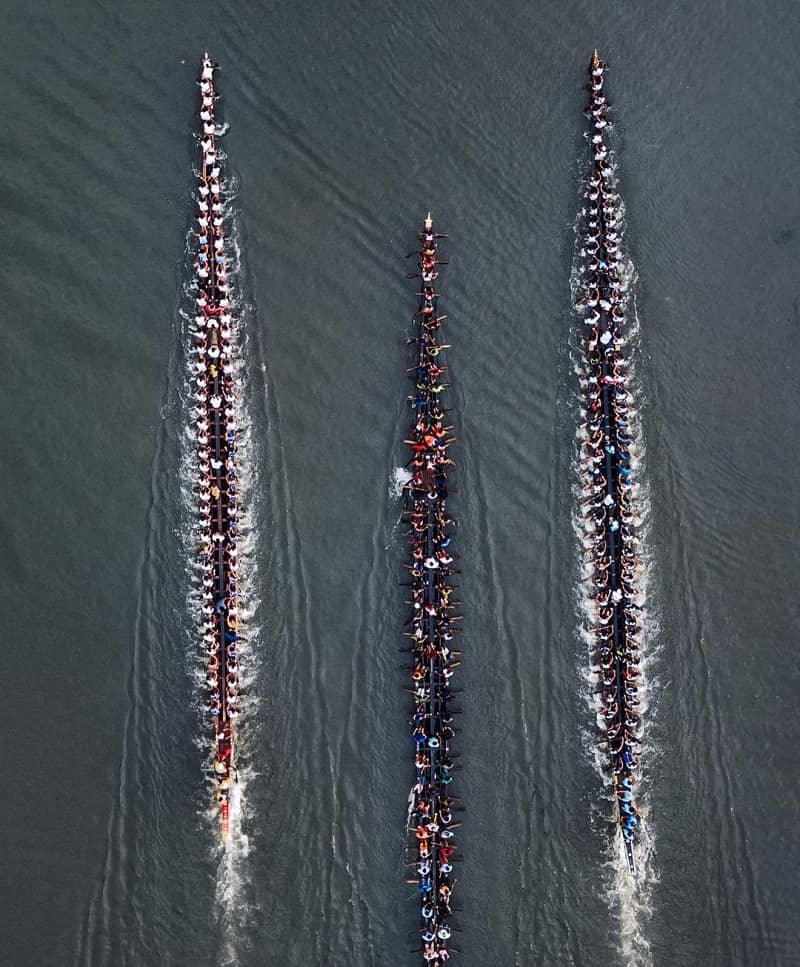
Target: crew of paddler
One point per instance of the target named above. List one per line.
(608, 474)
(215, 427)
(433, 622)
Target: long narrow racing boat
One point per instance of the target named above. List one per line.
(432, 623)
(609, 475)
(214, 416)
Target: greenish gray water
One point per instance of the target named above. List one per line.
(346, 125)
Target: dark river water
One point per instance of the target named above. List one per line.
(348, 121)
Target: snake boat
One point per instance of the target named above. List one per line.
(215, 426)
(433, 623)
(609, 473)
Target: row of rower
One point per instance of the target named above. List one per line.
(608, 476)
(216, 489)
(433, 623)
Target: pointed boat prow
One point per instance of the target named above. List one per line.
(428, 222)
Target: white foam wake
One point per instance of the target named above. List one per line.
(400, 477)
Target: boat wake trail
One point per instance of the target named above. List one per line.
(611, 527)
(632, 897)
(235, 909)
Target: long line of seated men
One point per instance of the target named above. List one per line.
(215, 421)
(431, 621)
(606, 510)
(217, 497)
(210, 262)
(608, 505)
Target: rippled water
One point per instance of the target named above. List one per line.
(347, 123)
